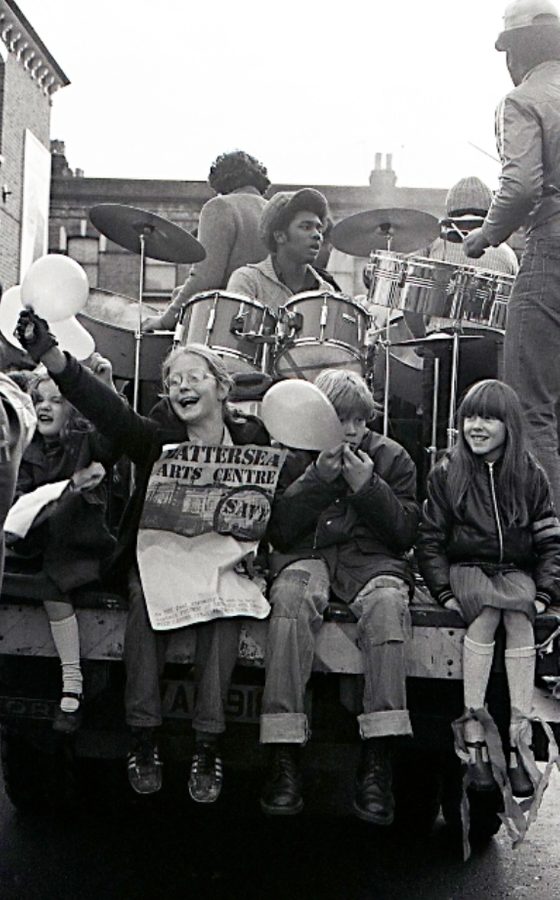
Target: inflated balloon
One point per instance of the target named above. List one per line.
(55, 287)
(74, 338)
(10, 308)
(297, 414)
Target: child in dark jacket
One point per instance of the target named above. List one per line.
(489, 547)
(69, 538)
(342, 522)
(193, 409)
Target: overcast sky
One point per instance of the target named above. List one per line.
(158, 89)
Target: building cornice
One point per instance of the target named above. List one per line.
(22, 40)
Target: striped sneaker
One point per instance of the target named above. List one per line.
(205, 781)
(144, 764)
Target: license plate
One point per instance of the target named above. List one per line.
(243, 701)
(27, 707)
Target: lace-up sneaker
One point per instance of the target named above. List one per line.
(205, 781)
(144, 765)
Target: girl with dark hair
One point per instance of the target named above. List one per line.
(69, 538)
(489, 547)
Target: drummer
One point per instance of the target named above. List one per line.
(292, 226)
(228, 229)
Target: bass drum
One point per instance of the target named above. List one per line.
(112, 320)
(320, 330)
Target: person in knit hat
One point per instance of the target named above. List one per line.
(466, 204)
(291, 226)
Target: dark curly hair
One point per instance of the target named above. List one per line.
(230, 171)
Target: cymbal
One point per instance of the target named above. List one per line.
(436, 338)
(408, 230)
(163, 239)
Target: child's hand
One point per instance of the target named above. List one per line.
(329, 463)
(357, 468)
(89, 477)
(101, 367)
(452, 603)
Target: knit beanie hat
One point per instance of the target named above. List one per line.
(282, 207)
(469, 195)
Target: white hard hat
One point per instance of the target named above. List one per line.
(524, 14)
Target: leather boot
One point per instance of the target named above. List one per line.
(281, 795)
(479, 769)
(373, 798)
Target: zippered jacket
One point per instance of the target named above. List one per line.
(528, 141)
(479, 535)
(359, 535)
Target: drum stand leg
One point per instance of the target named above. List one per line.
(387, 343)
(451, 429)
(432, 449)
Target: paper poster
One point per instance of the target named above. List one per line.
(206, 509)
(26, 509)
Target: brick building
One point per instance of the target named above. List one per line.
(29, 76)
(111, 268)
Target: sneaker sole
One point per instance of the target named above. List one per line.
(281, 810)
(372, 818)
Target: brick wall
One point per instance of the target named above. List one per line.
(24, 106)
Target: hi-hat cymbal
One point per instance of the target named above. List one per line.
(406, 229)
(435, 339)
(163, 239)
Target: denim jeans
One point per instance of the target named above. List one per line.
(144, 656)
(532, 347)
(299, 597)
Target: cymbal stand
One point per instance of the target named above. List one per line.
(451, 429)
(388, 232)
(138, 333)
(432, 449)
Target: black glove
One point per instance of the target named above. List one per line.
(34, 336)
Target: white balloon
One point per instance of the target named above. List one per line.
(55, 287)
(10, 308)
(74, 338)
(297, 414)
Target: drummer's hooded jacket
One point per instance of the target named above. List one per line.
(141, 439)
(359, 534)
(260, 282)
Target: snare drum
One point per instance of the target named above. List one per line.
(238, 328)
(504, 287)
(319, 330)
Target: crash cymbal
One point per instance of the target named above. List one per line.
(163, 239)
(398, 230)
(436, 338)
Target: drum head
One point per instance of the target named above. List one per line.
(306, 360)
(112, 319)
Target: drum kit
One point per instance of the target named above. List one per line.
(314, 329)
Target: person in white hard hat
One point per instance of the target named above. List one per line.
(528, 137)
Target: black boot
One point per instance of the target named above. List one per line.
(373, 798)
(281, 795)
(519, 779)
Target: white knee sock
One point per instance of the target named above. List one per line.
(67, 642)
(520, 671)
(477, 663)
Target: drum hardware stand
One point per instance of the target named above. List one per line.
(451, 429)
(432, 449)
(147, 229)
